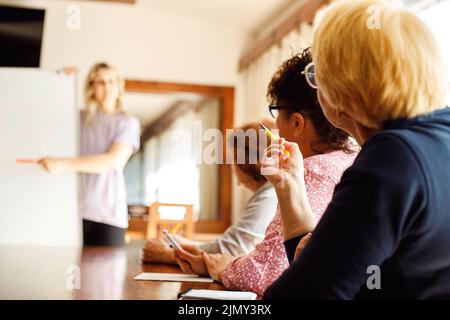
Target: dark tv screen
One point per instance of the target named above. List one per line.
(20, 36)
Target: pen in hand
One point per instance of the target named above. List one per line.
(273, 136)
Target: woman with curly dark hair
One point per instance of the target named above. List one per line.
(296, 106)
(327, 153)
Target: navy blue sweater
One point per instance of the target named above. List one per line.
(392, 210)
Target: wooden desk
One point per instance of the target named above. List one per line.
(28, 272)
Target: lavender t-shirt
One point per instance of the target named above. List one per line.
(103, 196)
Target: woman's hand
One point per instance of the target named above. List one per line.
(156, 250)
(217, 263)
(286, 173)
(301, 245)
(69, 69)
(52, 165)
(190, 260)
(114, 159)
(279, 168)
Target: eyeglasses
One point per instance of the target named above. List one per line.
(309, 75)
(273, 109)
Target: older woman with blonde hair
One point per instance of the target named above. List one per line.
(108, 137)
(379, 76)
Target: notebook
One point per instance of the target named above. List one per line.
(203, 294)
(178, 277)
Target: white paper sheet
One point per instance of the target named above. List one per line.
(179, 277)
(219, 295)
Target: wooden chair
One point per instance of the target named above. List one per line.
(137, 222)
(156, 224)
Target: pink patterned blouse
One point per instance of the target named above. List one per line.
(261, 267)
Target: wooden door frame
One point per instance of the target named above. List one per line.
(226, 97)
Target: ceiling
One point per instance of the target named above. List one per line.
(246, 15)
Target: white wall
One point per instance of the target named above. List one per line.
(140, 41)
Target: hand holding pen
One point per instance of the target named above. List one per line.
(274, 137)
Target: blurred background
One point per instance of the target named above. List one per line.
(184, 61)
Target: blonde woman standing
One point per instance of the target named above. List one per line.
(108, 137)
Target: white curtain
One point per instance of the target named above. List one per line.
(253, 81)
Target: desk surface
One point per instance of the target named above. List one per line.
(28, 272)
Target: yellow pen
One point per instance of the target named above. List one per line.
(273, 136)
(175, 228)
